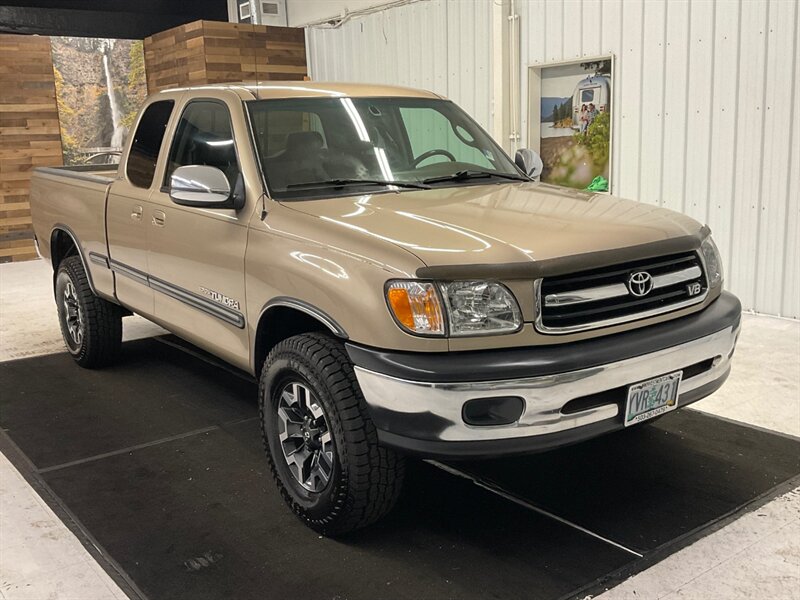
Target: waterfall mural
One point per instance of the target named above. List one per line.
(100, 85)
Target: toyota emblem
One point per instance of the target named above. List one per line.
(640, 283)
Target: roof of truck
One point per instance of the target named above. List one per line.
(309, 89)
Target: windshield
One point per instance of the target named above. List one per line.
(315, 147)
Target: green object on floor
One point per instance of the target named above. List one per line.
(599, 184)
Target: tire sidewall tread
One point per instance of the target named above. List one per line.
(367, 477)
(102, 320)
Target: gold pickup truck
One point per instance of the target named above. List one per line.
(396, 282)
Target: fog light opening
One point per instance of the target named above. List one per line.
(489, 412)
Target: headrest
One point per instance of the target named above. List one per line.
(301, 142)
(215, 150)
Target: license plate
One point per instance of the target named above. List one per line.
(651, 398)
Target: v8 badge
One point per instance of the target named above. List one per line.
(694, 288)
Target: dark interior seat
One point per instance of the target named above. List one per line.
(216, 151)
(300, 162)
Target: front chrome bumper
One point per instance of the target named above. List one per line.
(431, 413)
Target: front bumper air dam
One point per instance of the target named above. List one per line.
(416, 399)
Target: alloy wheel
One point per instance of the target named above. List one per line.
(305, 437)
(73, 315)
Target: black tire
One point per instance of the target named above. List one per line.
(91, 326)
(365, 478)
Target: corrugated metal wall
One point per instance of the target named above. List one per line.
(706, 115)
(440, 45)
(706, 119)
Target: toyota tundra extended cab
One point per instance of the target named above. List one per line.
(394, 280)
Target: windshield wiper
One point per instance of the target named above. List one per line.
(465, 175)
(339, 183)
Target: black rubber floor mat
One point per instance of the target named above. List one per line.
(160, 461)
(646, 486)
(199, 518)
(58, 413)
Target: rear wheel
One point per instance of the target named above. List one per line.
(91, 326)
(321, 444)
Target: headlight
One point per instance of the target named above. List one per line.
(416, 307)
(480, 308)
(472, 307)
(713, 262)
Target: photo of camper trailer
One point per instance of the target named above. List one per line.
(594, 90)
(575, 128)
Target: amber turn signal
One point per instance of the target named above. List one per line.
(416, 306)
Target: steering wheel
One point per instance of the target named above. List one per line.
(430, 153)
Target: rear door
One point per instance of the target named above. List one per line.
(127, 207)
(196, 255)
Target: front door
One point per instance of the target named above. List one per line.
(196, 255)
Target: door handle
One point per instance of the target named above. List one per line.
(136, 213)
(159, 218)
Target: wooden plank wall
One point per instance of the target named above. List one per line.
(175, 57)
(29, 135)
(218, 52)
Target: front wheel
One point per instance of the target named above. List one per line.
(91, 326)
(321, 444)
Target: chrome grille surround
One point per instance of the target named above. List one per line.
(564, 297)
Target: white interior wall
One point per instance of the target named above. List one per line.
(705, 119)
(439, 45)
(303, 12)
(705, 104)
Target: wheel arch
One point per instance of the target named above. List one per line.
(284, 317)
(63, 244)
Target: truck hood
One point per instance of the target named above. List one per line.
(503, 223)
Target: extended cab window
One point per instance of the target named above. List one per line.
(204, 136)
(142, 159)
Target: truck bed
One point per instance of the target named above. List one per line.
(97, 173)
(72, 201)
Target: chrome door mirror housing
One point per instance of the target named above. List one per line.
(202, 186)
(530, 162)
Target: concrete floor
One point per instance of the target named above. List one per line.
(28, 319)
(757, 556)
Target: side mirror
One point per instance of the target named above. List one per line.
(530, 162)
(202, 186)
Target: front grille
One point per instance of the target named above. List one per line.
(618, 293)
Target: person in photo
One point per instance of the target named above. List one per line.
(584, 119)
(591, 114)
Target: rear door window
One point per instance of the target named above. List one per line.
(143, 156)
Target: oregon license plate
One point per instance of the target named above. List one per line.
(651, 398)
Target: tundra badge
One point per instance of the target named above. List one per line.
(220, 298)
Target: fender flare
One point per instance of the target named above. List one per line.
(307, 308)
(60, 227)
